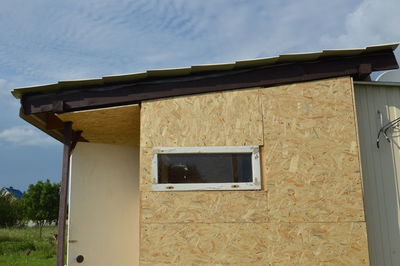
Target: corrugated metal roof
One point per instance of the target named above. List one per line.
(178, 72)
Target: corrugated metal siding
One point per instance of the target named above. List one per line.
(381, 170)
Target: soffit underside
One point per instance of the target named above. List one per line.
(114, 125)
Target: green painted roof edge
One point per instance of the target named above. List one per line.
(180, 72)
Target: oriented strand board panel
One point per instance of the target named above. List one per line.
(115, 125)
(331, 202)
(312, 157)
(318, 244)
(312, 210)
(146, 178)
(204, 244)
(254, 244)
(231, 118)
(310, 128)
(204, 207)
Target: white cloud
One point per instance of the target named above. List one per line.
(47, 41)
(4, 87)
(53, 41)
(9, 105)
(25, 135)
(372, 22)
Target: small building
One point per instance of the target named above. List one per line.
(254, 162)
(14, 193)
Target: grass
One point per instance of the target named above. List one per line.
(22, 246)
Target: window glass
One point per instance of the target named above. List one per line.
(204, 168)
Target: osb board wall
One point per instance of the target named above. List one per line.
(114, 125)
(203, 120)
(310, 211)
(253, 244)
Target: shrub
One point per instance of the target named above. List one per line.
(9, 211)
(40, 203)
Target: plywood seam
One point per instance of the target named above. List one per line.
(262, 149)
(357, 138)
(311, 222)
(261, 112)
(140, 216)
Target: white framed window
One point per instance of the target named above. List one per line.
(206, 168)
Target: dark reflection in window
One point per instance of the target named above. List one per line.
(204, 168)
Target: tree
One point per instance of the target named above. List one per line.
(8, 211)
(41, 203)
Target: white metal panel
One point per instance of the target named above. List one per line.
(380, 169)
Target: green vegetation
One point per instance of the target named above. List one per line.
(10, 211)
(22, 246)
(40, 203)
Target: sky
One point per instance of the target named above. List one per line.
(45, 41)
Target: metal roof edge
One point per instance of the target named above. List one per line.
(175, 72)
(377, 83)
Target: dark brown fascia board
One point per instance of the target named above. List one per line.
(359, 67)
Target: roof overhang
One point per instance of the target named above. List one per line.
(201, 69)
(40, 104)
(98, 96)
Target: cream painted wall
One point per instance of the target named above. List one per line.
(104, 205)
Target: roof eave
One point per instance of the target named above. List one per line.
(180, 72)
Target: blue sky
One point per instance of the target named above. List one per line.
(44, 41)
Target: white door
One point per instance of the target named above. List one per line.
(104, 205)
